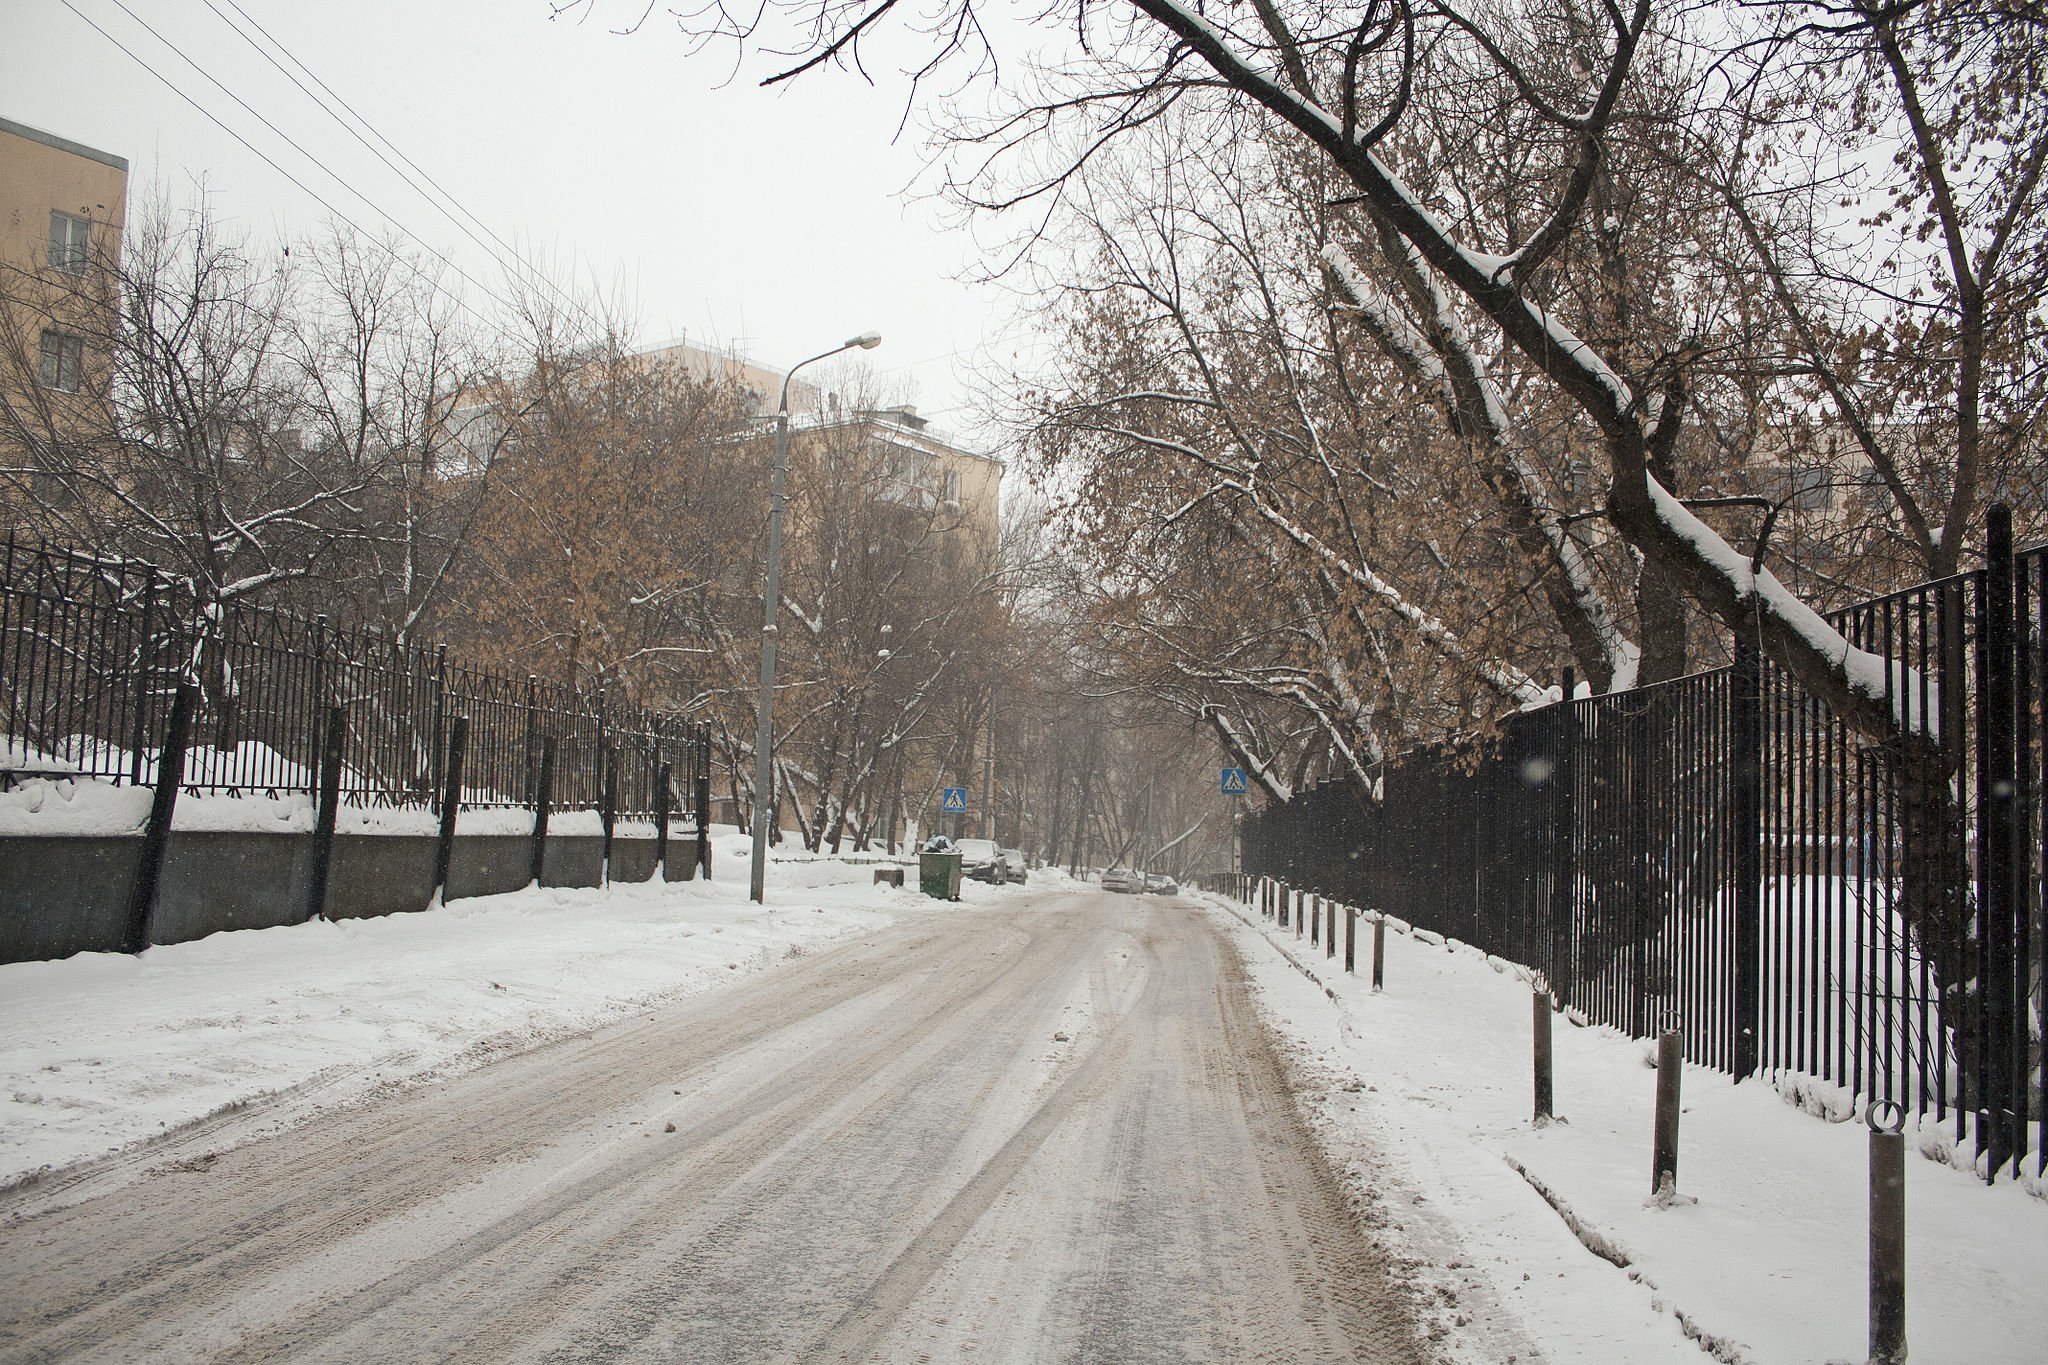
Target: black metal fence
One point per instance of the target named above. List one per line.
(1721, 855)
(93, 651)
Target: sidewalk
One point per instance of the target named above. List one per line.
(1433, 1079)
(101, 1052)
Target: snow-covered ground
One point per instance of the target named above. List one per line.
(1421, 1093)
(101, 1051)
(1433, 1078)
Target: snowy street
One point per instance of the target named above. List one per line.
(1050, 1130)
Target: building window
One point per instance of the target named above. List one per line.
(1808, 490)
(63, 358)
(953, 487)
(70, 237)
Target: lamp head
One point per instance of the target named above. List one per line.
(867, 341)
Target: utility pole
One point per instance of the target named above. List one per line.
(765, 803)
(988, 763)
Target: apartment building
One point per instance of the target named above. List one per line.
(920, 468)
(62, 207)
(917, 466)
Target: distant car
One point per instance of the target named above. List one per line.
(1123, 880)
(980, 860)
(1015, 865)
(1159, 884)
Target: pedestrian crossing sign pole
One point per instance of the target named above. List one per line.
(1232, 782)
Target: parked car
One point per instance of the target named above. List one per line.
(1015, 865)
(1123, 880)
(1159, 884)
(980, 860)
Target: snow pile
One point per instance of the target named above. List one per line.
(1768, 1265)
(101, 1051)
(81, 806)
(73, 806)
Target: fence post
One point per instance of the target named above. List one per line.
(529, 757)
(1745, 819)
(451, 800)
(661, 781)
(1539, 1018)
(1887, 1236)
(609, 805)
(703, 800)
(1329, 929)
(148, 648)
(438, 780)
(1564, 870)
(1664, 1154)
(1315, 920)
(156, 835)
(1351, 940)
(329, 811)
(1379, 951)
(1998, 888)
(542, 797)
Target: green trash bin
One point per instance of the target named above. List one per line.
(938, 874)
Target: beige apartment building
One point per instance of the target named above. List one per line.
(923, 466)
(919, 466)
(62, 207)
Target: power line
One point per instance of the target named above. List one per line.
(330, 172)
(504, 247)
(304, 188)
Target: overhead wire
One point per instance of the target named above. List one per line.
(271, 162)
(503, 251)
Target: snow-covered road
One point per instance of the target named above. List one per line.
(1050, 1129)
(166, 1076)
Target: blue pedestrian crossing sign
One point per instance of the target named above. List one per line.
(1233, 782)
(954, 800)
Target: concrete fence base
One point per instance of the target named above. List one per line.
(65, 894)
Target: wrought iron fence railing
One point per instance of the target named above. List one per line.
(1721, 855)
(93, 650)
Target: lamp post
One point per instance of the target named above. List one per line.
(771, 605)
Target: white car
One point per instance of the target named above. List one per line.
(980, 860)
(1122, 879)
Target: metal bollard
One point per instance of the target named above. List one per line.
(1379, 951)
(1351, 940)
(1664, 1157)
(1329, 929)
(1887, 1233)
(1539, 1002)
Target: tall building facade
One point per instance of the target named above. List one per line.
(62, 210)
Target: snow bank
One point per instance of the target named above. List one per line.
(1432, 1078)
(76, 806)
(101, 1051)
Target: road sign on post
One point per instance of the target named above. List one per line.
(1233, 781)
(953, 800)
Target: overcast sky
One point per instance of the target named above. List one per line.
(774, 221)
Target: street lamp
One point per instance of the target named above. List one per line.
(771, 604)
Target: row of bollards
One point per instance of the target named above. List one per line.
(1290, 907)
(1315, 917)
(1887, 1173)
